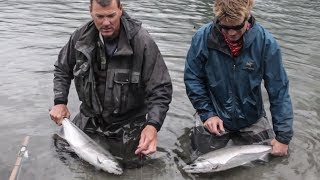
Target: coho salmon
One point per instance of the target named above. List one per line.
(87, 149)
(226, 158)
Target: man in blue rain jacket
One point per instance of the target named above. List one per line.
(225, 66)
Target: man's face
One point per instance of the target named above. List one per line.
(233, 29)
(107, 19)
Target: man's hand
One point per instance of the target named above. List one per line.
(214, 125)
(148, 141)
(58, 112)
(279, 149)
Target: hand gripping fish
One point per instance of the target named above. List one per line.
(87, 149)
(226, 158)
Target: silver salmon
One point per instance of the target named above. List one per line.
(87, 149)
(229, 157)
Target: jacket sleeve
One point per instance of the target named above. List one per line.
(63, 73)
(277, 86)
(196, 81)
(158, 84)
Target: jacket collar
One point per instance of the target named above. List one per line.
(217, 41)
(87, 40)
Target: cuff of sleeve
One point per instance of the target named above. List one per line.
(206, 115)
(282, 140)
(60, 101)
(157, 126)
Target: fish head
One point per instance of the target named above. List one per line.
(201, 167)
(110, 165)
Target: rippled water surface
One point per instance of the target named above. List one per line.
(33, 31)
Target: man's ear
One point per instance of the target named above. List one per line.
(121, 8)
(90, 8)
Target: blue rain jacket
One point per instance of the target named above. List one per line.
(218, 84)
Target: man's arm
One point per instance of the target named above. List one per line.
(277, 86)
(63, 73)
(158, 85)
(195, 79)
(61, 83)
(158, 89)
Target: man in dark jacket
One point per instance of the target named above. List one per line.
(120, 77)
(225, 66)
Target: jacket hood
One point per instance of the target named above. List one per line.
(131, 26)
(216, 39)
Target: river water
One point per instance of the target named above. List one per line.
(33, 31)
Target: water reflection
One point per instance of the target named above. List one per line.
(32, 33)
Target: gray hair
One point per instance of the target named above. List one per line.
(105, 2)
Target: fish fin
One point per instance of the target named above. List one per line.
(201, 159)
(61, 136)
(61, 143)
(264, 158)
(61, 133)
(99, 160)
(215, 166)
(69, 148)
(248, 164)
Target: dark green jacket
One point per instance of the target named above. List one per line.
(137, 79)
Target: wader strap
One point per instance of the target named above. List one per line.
(102, 57)
(131, 67)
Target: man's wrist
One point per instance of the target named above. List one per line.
(282, 140)
(60, 101)
(156, 126)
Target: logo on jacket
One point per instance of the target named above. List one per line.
(249, 66)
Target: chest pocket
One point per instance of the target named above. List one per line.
(126, 93)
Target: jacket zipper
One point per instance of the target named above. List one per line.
(93, 81)
(233, 89)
